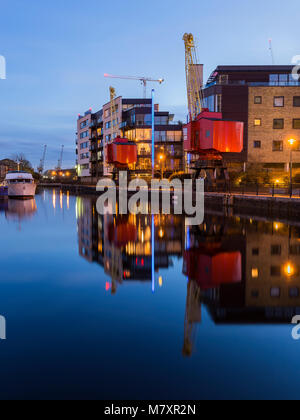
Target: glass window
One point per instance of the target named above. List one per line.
(257, 122)
(257, 144)
(275, 250)
(296, 124)
(283, 79)
(278, 124)
(255, 273)
(297, 101)
(275, 292)
(274, 79)
(277, 146)
(258, 100)
(293, 292)
(279, 101)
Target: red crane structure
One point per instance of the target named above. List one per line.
(206, 135)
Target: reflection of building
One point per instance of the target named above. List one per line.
(270, 288)
(123, 244)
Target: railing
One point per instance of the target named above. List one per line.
(258, 189)
(254, 84)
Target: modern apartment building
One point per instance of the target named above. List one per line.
(83, 143)
(267, 100)
(130, 118)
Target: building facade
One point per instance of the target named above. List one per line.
(267, 100)
(130, 118)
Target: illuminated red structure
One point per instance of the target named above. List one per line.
(210, 132)
(212, 267)
(121, 152)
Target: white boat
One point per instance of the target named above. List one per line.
(20, 184)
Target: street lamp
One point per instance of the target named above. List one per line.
(291, 143)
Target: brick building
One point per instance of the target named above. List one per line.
(267, 100)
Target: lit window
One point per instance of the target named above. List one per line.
(255, 273)
(257, 122)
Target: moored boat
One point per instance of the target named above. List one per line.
(20, 185)
(3, 191)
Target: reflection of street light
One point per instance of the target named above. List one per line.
(289, 269)
(291, 143)
(161, 160)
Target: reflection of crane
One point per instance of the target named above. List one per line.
(192, 317)
(42, 162)
(144, 80)
(194, 91)
(59, 164)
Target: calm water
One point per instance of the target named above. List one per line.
(85, 320)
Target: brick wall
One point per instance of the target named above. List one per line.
(265, 133)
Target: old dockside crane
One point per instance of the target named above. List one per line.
(207, 136)
(42, 162)
(194, 90)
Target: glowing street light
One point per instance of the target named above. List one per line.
(291, 143)
(289, 269)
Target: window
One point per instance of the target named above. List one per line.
(257, 144)
(295, 249)
(296, 124)
(255, 294)
(279, 101)
(84, 134)
(277, 146)
(293, 292)
(278, 124)
(274, 79)
(258, 100)
(275, 292)
(275, 271)
(283, 79)
(275, 250)
(255, 252)
(257, 122)
(297, 101)
(255, 273)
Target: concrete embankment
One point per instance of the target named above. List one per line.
(282, 207)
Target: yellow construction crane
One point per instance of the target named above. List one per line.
(143, 80)
(113, 112)
(194, 89)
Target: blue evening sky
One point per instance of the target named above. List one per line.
(57, 53)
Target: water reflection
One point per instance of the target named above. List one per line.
(243, 271)
(18, 210)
